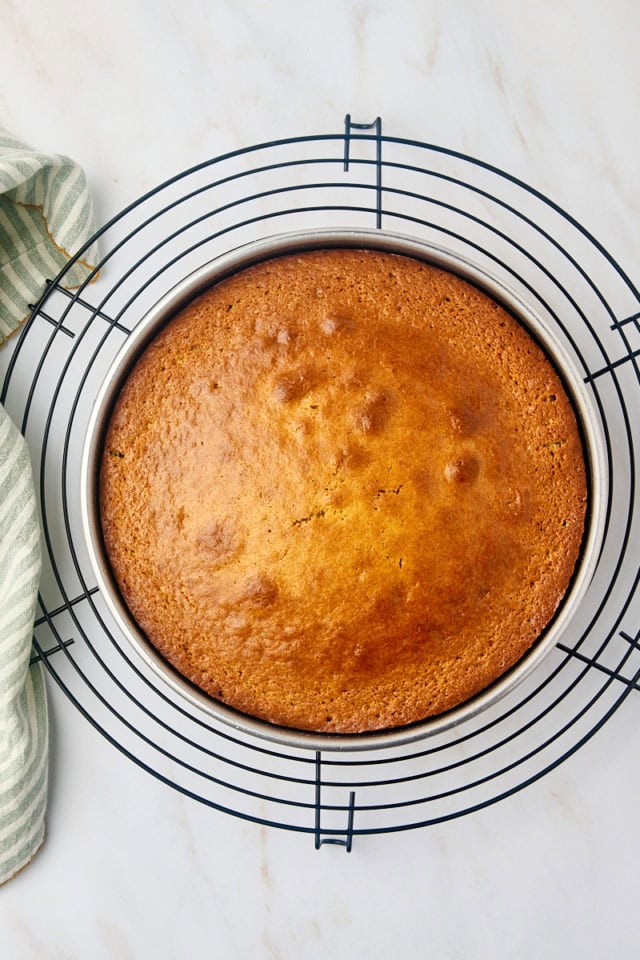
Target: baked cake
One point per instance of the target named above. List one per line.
(342, 491)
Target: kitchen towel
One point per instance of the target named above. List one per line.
(45, 215)
(23, 706)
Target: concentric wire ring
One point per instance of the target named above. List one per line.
(361, 179)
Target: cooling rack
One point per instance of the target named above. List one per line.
(357, 177)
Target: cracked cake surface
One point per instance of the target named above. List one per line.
(343, 491)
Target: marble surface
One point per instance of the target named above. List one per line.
(137, 92)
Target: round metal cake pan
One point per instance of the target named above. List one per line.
(232, 262)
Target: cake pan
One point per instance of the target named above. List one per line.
(232, 262)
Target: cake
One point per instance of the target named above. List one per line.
(343, 491)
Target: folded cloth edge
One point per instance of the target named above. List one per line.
(53, 195)
(24, 743)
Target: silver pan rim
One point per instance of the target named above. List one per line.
(232, 262)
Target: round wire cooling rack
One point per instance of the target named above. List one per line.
(356, 178)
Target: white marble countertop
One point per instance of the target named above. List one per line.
(138, 92)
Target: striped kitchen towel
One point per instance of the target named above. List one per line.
(23, 705)
(45, 216)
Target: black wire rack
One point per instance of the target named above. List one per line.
(355, 178)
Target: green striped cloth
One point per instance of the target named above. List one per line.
(23, 705)
(45, 216)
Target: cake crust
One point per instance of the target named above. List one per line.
(343, 491)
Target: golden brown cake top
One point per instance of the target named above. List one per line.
(343, 490)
